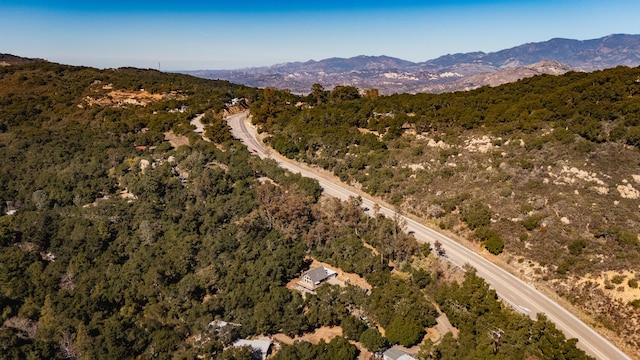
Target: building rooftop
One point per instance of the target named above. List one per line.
(397, 354)
(261, 346)
(319, 274)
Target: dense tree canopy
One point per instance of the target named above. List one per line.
(116, 244)
(526, 169)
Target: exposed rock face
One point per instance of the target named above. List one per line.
(482, 145)
(144, 164)
(569, 176)
(452, 72)
(628, 192)
(550, 67)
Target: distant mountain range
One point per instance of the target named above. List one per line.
(446, 73)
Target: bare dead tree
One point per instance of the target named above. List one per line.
(66, 346)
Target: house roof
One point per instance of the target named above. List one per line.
(406, 357)
(220, 324)
(318, 274)
(257, 345)
(397, 354)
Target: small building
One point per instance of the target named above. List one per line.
(219, 325)
(396, 354)
(259, 348)
(314, 277)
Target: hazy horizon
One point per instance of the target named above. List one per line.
(195, 36)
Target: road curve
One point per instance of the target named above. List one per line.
(521, 296)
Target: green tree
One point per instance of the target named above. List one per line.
(494, 245)
(218, 131)
(7, 234)
(318, 95)
(339, 349)
(576, 246)
(533, 222)
(352, 328)
(476, 214)
(492, 240)
(373, 340)
(404, 331)
(343, 93)
(237, 353)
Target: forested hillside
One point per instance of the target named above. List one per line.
(126, 235)
(543, 173)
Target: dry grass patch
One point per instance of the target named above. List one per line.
(343, 277)
(324, 333)
(615, 284)
(176, 140)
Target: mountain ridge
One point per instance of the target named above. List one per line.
(445, 73)
(9, 60)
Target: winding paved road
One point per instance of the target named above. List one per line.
(520, 295)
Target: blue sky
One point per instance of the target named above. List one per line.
(189, 35)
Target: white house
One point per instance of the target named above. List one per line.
(314, 277)
(258, 347)
(396, 354)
